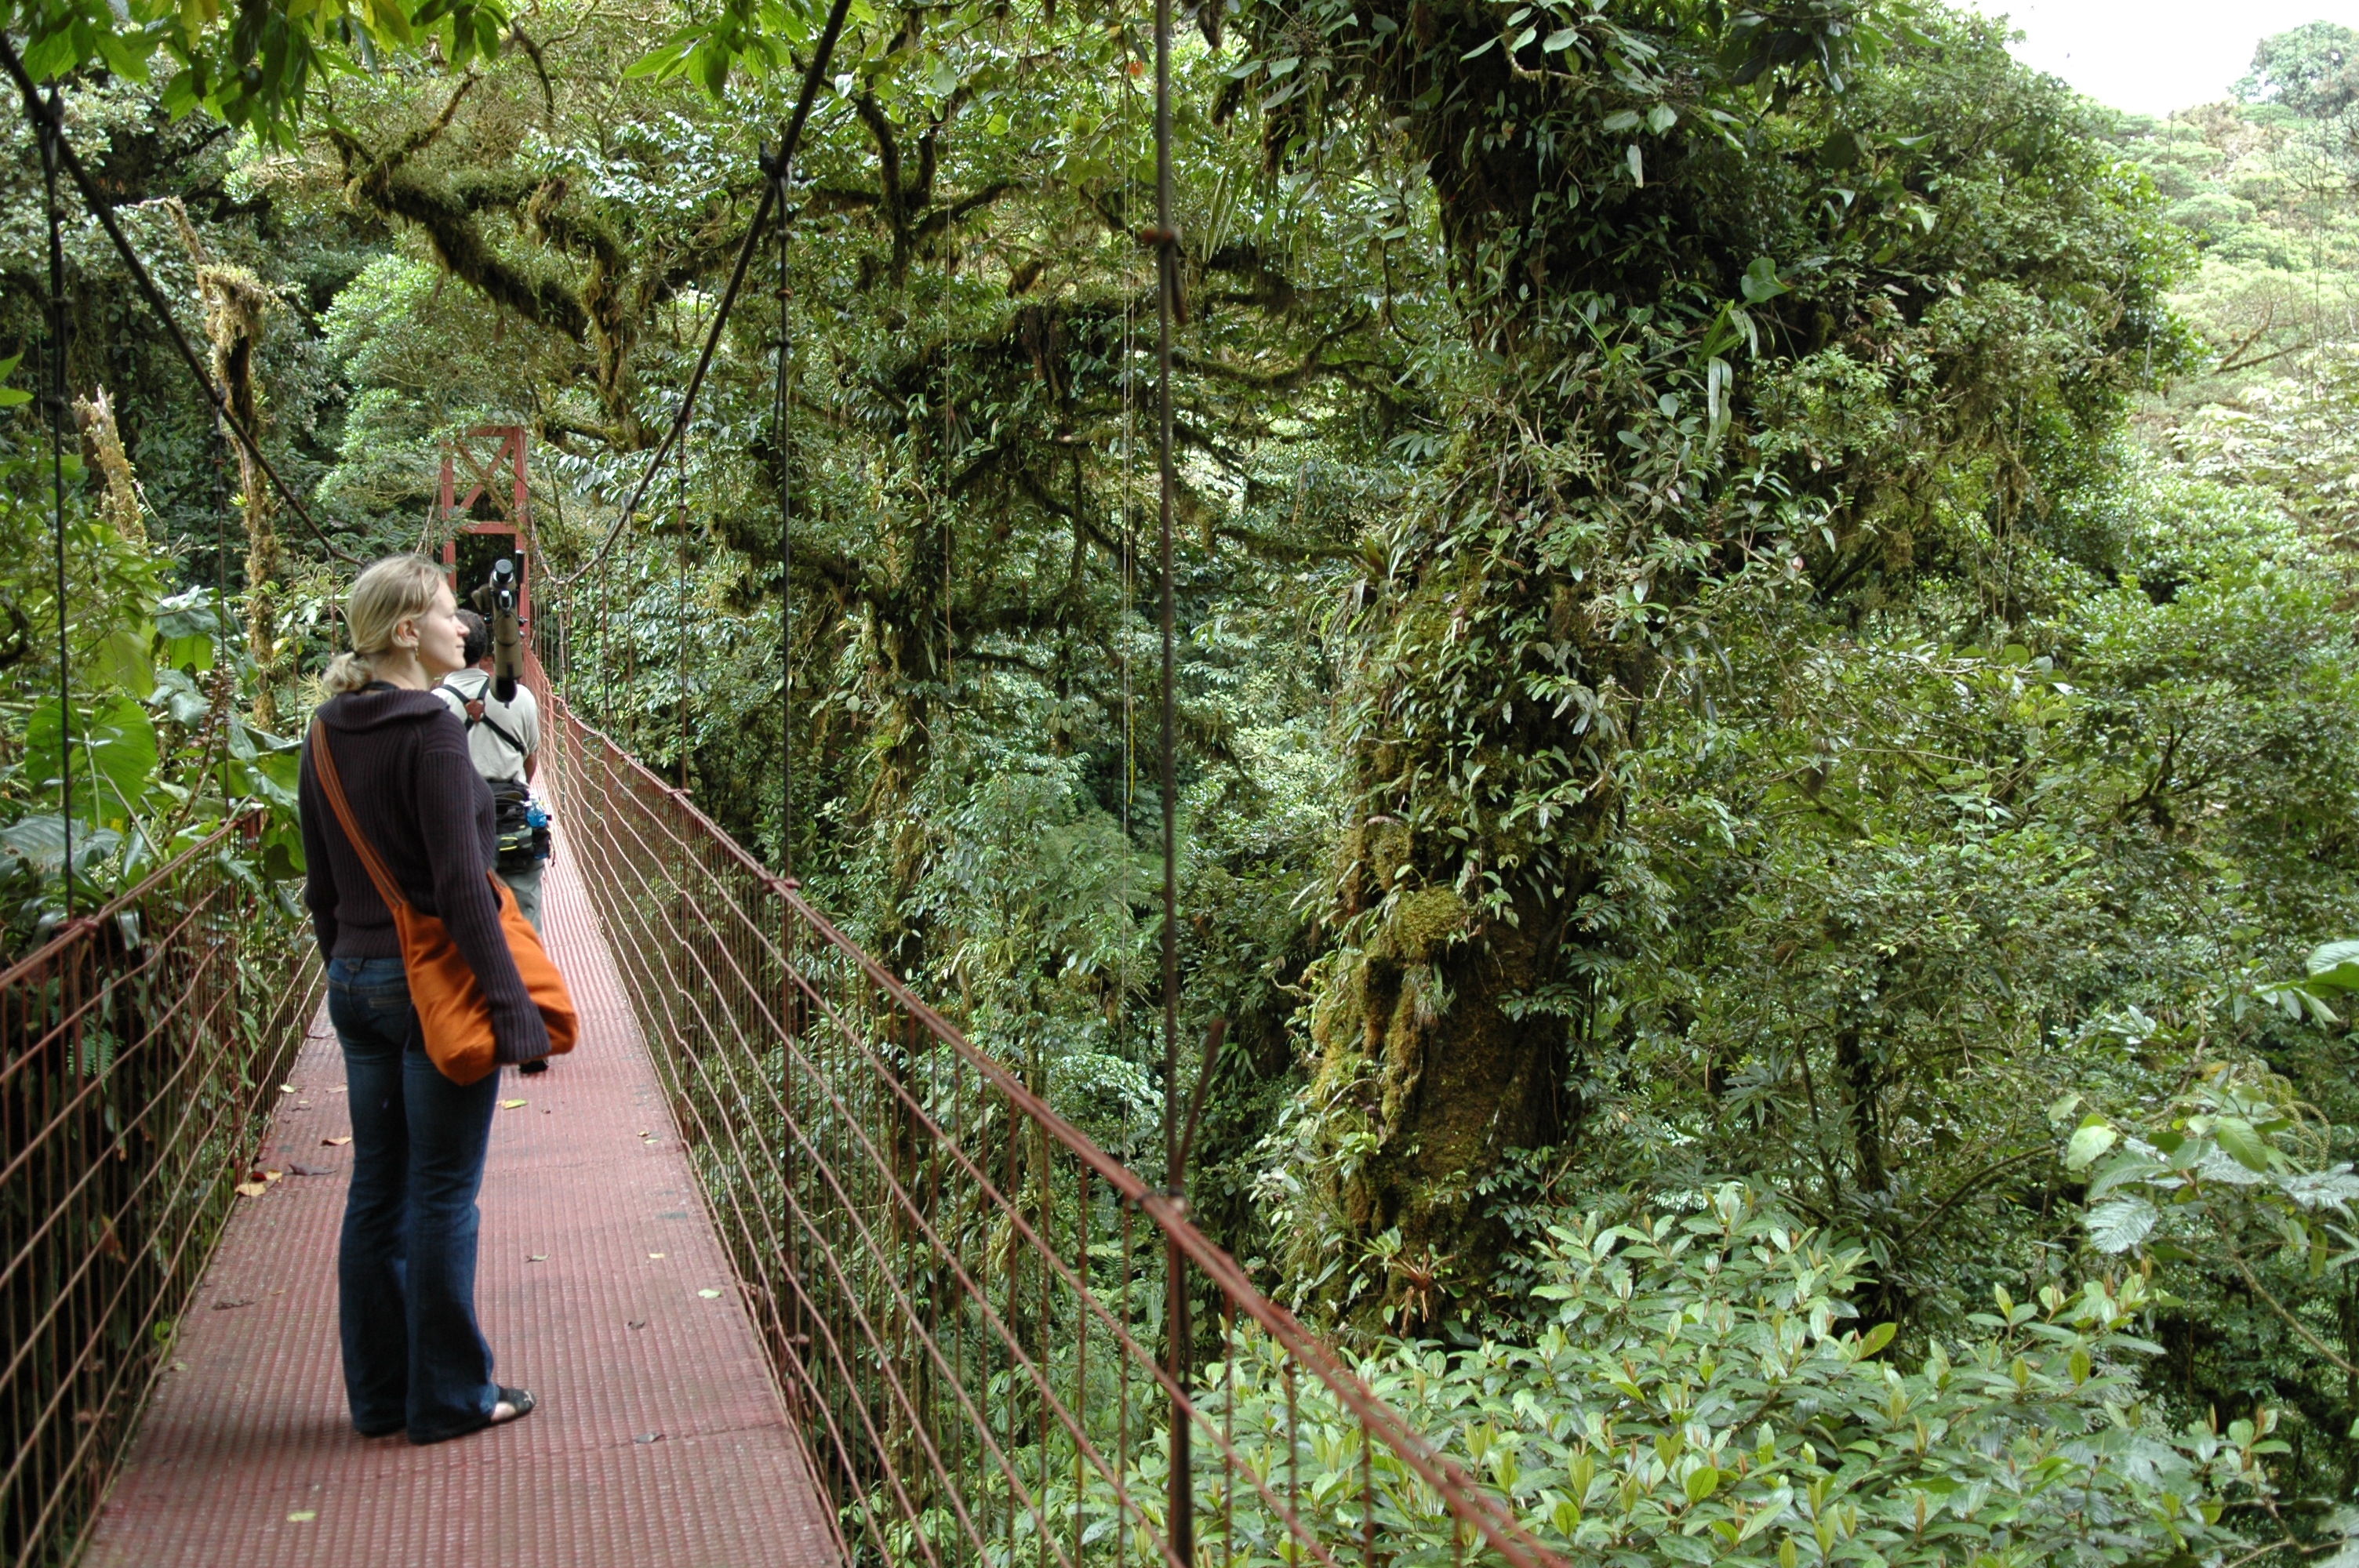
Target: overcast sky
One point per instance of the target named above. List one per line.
(2153, 56)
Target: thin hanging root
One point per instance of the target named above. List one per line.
(198, 253)
(96, 414)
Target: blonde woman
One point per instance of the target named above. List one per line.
(414, 1359)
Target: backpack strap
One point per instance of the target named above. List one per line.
(475, 714)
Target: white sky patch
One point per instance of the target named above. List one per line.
(2153, 56)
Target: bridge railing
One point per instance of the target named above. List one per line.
(141, 1050)
(962, 1294)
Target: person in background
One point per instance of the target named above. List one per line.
(503, 741)
(414, 1358)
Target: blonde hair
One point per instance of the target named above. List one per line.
(385, 594)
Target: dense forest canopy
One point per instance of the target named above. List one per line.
(1764, 651)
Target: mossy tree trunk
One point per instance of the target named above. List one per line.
(1660, 245)
(1484, 721)
(1512, 613)
(236, 305)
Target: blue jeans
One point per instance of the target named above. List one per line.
(406, 1269)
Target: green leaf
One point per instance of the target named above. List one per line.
(2094, 1139)
(114, 746)
(123, 56)
(2329, 955)
(710, 65)
(1876, 1339)
(2120, 1171)
(2119, 1224)
(1702, 1482)
(40, 843)
(272, 775)
(182, 702)
(1760, 282)
(2335, 966)
(2236, 1138)
(660, 63)
(51, 56)
(191, 614)
(179, 96)
(121, 660)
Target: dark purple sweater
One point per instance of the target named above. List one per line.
(402, 756)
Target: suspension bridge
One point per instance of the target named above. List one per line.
(800, 1275)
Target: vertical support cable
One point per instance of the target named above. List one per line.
(679, 612)
(48, 126)
(1181, 1510)
(778, 167)
(1129, 602)
(605, 654)
(949, 483)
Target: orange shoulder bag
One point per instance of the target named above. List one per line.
(452, 1011)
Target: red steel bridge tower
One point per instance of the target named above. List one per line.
(493, 517)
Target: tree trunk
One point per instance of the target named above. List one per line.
(1520, 601)
(1443, 1022)
(235, 304)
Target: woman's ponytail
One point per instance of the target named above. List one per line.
(345, 672)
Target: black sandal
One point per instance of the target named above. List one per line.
(518, 1401)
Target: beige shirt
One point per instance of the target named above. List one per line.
(493, 756)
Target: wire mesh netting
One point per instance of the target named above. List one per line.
(967, 1301)
(141, 1050)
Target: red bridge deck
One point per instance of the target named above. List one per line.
(659, 1440)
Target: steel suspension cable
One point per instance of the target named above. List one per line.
(1181, 1520)
(772, 196)
(679, 609)
(1129, 513)
(781, 172)
(51, 118)
(51, 138)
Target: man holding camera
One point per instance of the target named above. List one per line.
(504, 741)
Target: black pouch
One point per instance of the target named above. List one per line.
(512, 820)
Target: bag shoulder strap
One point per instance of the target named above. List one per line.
(488, 722)
(323, 766)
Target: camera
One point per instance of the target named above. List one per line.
(507, 638)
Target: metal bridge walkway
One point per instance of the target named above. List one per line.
(660, 1436)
